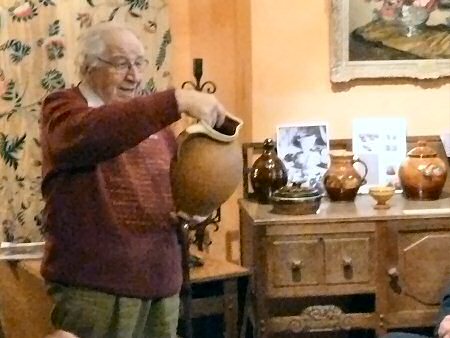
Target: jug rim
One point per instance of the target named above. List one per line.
(202, 127)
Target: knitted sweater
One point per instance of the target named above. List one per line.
(107, 191)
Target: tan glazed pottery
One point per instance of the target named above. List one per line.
(422, 174)
(208, 168)
(342, 180)
(381, 195)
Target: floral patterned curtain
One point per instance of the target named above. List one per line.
(37, 53)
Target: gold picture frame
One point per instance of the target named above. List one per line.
(358, 50)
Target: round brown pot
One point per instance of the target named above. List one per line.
(422, 174)
(208, 167)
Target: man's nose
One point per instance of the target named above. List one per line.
(132, 72)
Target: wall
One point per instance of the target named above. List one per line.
(218, 32)
(270, 60)
(291, 78)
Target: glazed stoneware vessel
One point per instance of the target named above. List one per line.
(294, 200)
(342, 180)
(422, 174)
(208, 167)
(268, 173)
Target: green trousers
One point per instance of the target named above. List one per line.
(92, 314)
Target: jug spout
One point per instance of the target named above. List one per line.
(228, 131)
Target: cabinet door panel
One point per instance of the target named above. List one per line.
(347, 260)
(293, 263)
(424, 265)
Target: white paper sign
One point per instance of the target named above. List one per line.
(445, 138)
(381, 144)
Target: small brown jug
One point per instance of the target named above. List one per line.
(422, 174)
(268, 173)
(342, 180)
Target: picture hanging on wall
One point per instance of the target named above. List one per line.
(389, 38)
(382, 148)
(304, 149)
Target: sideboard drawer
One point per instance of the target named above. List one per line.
(347, 260)
(295, 262)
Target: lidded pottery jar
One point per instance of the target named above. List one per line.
(422, 174)
(295, 200)
(268, 173)
(208, 167)
(342, 180)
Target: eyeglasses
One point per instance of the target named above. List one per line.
(123, 65)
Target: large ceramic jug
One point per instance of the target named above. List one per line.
(208, 167)
(422, 174)
(342, 180)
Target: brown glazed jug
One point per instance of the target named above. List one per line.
(268, 173)
(208, 167)
(422, 174)
(342, 180)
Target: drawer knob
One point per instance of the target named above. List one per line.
(394, 281)
(393, 273)
(296, 265)
(347, 262)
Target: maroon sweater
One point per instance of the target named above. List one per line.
(107, 191)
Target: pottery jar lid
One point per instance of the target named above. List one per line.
(341, 153)
(296, 192)
(422, 151)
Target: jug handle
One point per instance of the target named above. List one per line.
(366, 170)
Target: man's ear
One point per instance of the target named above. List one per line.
(85, 68)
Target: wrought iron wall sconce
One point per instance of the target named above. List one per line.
(198, 229)
(207, 86)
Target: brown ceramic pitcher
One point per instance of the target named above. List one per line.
(342, 180)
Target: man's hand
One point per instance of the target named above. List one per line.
(444, 328)
(201, 106)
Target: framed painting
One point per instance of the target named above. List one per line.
(389, 38)
(304, 149)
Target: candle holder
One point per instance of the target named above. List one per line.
(198, 229)
(207, 86)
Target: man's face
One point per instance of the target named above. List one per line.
(119, 71)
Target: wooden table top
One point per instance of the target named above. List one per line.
(214, 269)
(359, 210)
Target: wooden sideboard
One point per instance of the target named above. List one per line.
(346, 268)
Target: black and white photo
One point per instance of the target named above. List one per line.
(304, 149)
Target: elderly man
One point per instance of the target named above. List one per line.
(442, 328)
(112, 258)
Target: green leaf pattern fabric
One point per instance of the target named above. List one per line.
(37, 54)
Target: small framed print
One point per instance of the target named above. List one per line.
(304, 150)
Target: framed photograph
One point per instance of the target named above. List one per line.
(304, 149)
(389, 38)
(382, 149)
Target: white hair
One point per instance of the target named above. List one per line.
(92, 44)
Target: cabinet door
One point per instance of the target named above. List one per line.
(347, 260)
(415, 270)
(424, 265)
(295, 262)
